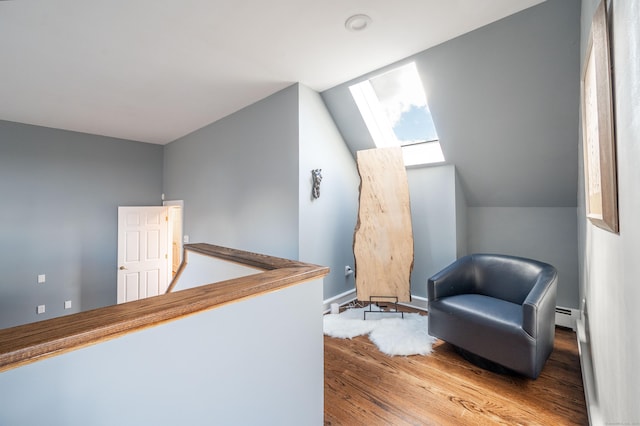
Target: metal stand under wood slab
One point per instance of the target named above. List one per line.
(383, 299)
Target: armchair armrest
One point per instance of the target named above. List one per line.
(540, 303)
(457, 278)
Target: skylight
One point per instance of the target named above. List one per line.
(394, 108)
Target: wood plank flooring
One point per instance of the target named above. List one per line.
(365, 386)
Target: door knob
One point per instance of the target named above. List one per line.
(123, 268)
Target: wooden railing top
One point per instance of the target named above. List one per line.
(32, 342)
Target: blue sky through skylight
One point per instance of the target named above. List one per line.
(404, 101)
(415, 124)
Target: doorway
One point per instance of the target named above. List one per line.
(149, 249)
(175, 235)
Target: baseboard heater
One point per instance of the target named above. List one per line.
(567, 317)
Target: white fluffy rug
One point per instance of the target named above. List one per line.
(389, 332)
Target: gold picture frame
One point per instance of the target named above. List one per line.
(601, 198)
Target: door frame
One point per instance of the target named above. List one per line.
(171, 211)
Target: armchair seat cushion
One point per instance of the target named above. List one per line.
(482, 312)
(488, 327)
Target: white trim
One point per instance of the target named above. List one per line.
(417, 302)
(340, 299)
(374, 117)
(588, 376)
(172, 204)
(422, 303)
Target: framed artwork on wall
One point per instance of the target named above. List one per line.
(598, 134)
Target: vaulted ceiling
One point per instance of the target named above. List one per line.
(155, 70)
(505, 102)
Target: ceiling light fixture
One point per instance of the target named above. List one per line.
(357, 22)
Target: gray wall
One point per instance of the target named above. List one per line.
(61, 191)
(548, 234)
(433, 219)
(246, 183)
(253, 362)
(609, 263)
(202, 270)
(327, 223)
(238, 178)
(462, 245)
(503, 100)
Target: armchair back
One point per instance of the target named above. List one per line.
(505, 277)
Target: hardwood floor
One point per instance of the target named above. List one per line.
(365, 386)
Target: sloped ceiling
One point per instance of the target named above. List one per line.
(155, 70)
(505, 102)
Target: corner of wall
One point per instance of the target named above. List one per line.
(326, 224)
(462, 246)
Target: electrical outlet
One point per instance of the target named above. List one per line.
(42, 278)
(40, 309)
(67, 304)
(185, 239)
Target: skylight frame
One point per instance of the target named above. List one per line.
(415, 152)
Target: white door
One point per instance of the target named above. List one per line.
(143, 254)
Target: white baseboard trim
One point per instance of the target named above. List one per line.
(340, 299)
(588, 377)
(565, 317)
(417, 302)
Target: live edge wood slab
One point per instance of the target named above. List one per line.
(383, 239)
(29, 343)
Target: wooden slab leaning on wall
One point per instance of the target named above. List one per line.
(383, 239)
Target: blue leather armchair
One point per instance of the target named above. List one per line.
(500, 308)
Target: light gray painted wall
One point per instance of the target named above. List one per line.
(238, 178)
(433, 219)
(61, 191)
(254, 362)
(502, 98)
(462, 245)
(547, 234)
(202, 270)
(609, 263)
(327, 223)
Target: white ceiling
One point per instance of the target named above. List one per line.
(156, 70)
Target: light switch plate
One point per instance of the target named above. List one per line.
(42, 278)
